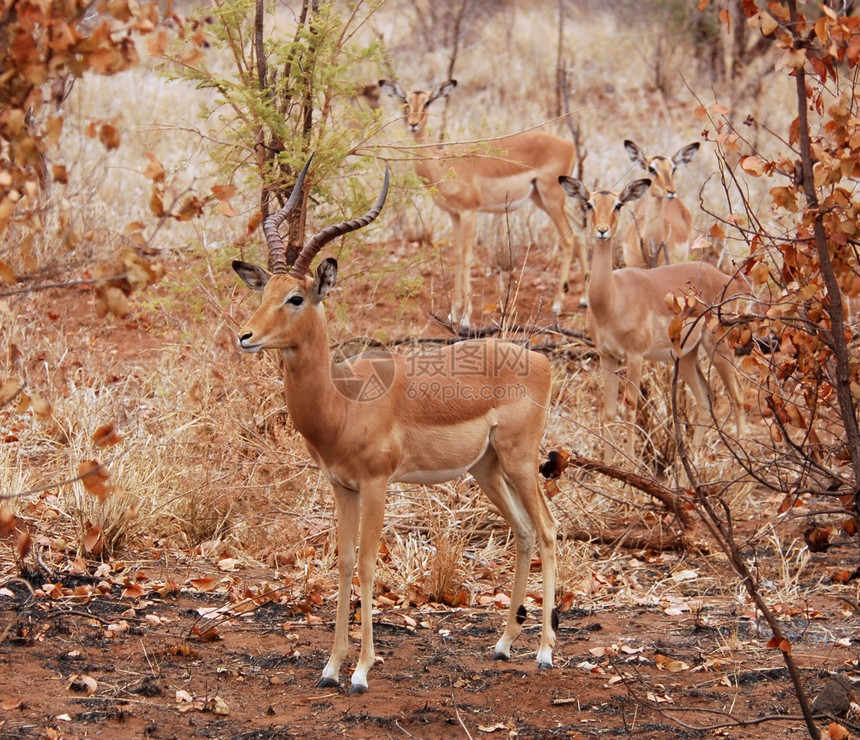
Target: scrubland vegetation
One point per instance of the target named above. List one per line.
(119, 309)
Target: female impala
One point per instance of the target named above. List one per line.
(497, 178)
(661, 226)
(476, 407)
(628, 316)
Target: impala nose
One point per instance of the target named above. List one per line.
(246, 341)
(602, 232)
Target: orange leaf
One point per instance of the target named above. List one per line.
(223, 192)
(207, 635)
(94, 540)
(204, 584)
(106, 435)
(7, 274)
(154, 170)
(7, 521)
(94, 476)
(254, 221)
(837, 732)
(25, 542)
(132, 591)
(109, 136)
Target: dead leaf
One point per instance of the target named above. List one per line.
(183, 696)
(228, 564)
(7, 521)
(94, 540)
(109, 136)
(218, 706)
(7, 274)
(132, 591)
(105, 436)
(837, 731)
(204, 584)
(83, 685)
(492, 728)
(94, 476)
(154, 170)
(22, 547)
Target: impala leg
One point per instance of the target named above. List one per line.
(689, 370)
(469, 223)
(634, 383)
(525, 482)
(457, 242)
(609, 370)
(347, 504)
(517, 495)
(718, 353)
(372, 516)
(488, 472)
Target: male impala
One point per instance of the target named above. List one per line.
(476, 407)
(496, 177)
(661, 225)
(629, 317)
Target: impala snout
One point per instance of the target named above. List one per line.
(247, 342)
(602, 232)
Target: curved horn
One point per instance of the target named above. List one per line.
(272, 224)
(310, 250)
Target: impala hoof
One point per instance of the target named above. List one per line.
(544, 666)
(357, 688)
(501, 656)
(328, 683)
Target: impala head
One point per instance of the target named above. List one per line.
(604, 205)
(661, 169)
(292, 301)
(417, 102)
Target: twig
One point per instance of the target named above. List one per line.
(459, 718)
(65, 284)
(671, 499)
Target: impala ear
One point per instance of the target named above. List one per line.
(442, 91)
(635, 153)
(573, 187)
(685, 154)
(393, 89)
(254, 277)
(634, 190)
(324, 280)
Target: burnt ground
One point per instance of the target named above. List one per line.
(113, 658)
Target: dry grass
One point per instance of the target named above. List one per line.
(209, 462)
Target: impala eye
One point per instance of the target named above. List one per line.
(652, 170)
(295, 300)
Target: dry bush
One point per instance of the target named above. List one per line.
(209, 458)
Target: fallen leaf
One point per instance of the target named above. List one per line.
(492, 728)
(105, 436)
(182, 696)
(227, 564)
(83, 684)
(204, 584)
